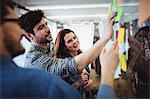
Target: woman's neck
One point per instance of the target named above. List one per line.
(73, 54)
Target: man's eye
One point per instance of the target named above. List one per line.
(41, 27)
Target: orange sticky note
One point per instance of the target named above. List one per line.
(108, 7)
(123, 63)
(144, 10)
(121, 35)
(119, 2)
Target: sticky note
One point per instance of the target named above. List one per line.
(121, 35)
(117, 34)
(108, 9)
(119, 2)
(123, 63)
(127, 44)
(119, 14)
(111, 2)
(116, 26)
(114, 35)
(117, 72)
(144, 11)
(122, 48)
(114, 4)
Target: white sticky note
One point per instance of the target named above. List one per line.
(117, 72)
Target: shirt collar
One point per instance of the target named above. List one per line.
(38, 48)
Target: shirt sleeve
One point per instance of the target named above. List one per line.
(106, 92)
(60, 67)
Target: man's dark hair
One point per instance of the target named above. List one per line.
(30, 19)
(3, 9)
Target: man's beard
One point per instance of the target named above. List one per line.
(43, 41)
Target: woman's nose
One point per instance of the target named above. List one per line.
(74, 41)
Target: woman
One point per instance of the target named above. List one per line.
(67, 45)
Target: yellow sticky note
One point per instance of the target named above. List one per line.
(121, 35)
(108, 10)
(124, 63)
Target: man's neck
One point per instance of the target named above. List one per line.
(40, 45)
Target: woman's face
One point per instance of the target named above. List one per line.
(72, 42)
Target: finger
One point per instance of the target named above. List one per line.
(114, 45)
(117, 49)
(84, 78)
(84, 75)
(112, 16)
(86, 85)
(103, 51)
(112, 21)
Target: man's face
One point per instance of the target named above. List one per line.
(42, 32)
(12, 35)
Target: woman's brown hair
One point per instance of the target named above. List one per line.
(60, 48)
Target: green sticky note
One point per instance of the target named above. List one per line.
(119, 14)
(115, 36)
(114, 4)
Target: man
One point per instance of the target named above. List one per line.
(39, 56)
(17, 82)
(20, 83)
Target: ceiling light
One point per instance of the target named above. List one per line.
(55, 7)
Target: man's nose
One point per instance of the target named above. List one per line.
(47, 29)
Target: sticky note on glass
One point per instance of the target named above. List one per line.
(119, 14)
(114, 2)
(124, 63)
(117, 72)
(144, 11)
(122, 48)
(121, 35)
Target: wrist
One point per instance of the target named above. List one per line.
(108, 37)
(108, 79)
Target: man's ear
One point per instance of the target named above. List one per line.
(30, 37)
